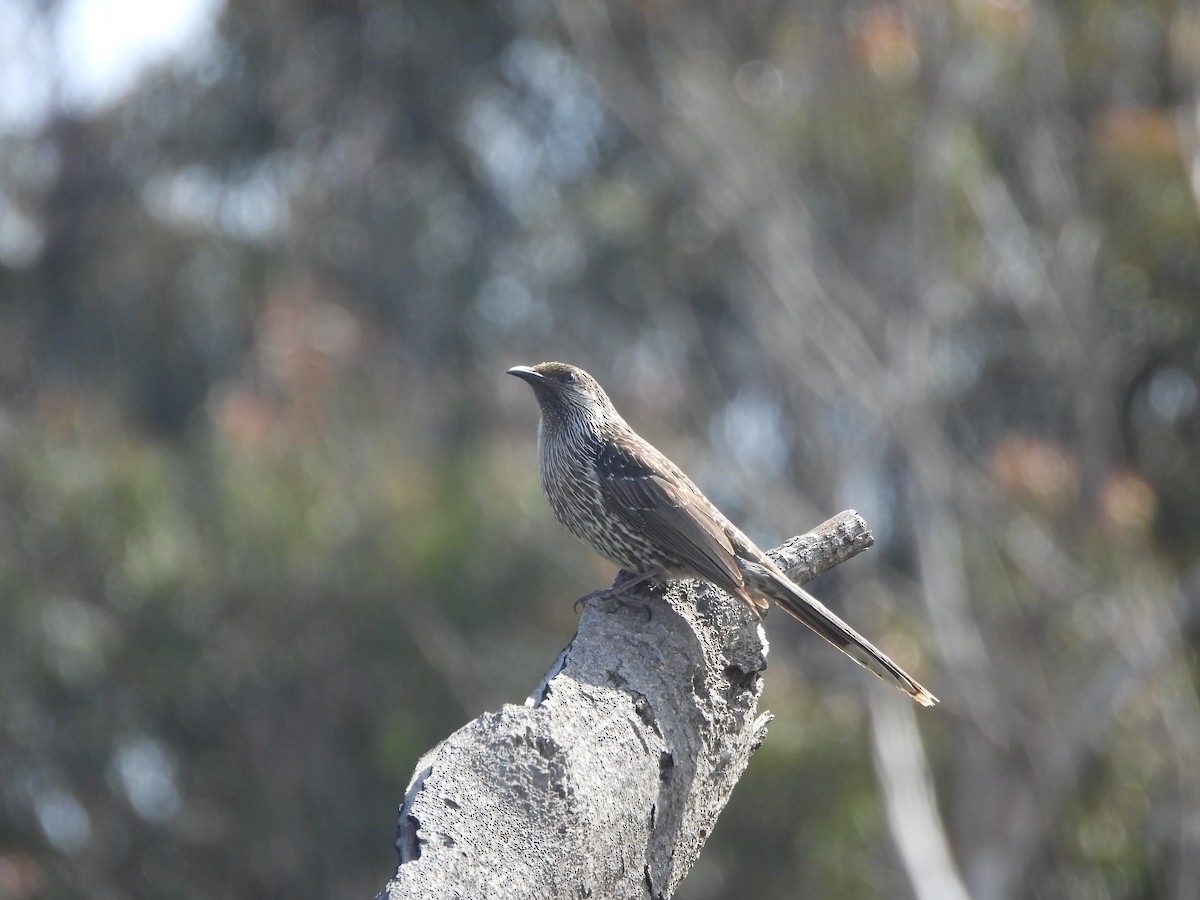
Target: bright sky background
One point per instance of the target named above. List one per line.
(106, 44)
(96, 51)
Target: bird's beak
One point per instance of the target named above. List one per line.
(527, 374)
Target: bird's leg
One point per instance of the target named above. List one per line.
(625, 582)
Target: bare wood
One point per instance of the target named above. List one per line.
(608, 781)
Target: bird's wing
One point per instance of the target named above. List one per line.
(649, 494)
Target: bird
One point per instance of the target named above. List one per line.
(617, 493)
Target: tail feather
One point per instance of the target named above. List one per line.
(817, 616)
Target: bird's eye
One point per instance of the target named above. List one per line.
(568, 377)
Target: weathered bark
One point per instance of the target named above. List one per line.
(608, 781)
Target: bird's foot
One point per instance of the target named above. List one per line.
(625, 582)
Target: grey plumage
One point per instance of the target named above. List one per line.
(618, 494)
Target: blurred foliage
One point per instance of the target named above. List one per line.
(271, 524)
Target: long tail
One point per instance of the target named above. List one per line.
(821, 619)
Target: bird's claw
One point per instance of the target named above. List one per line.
(616, 594)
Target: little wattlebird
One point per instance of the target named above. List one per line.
(616, 493)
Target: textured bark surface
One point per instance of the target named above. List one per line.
(608, 781)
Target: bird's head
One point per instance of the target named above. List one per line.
(567, 394)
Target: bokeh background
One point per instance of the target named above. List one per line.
(270, 524)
